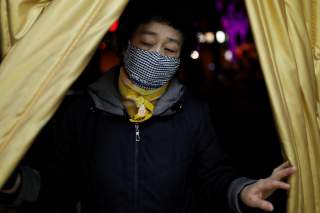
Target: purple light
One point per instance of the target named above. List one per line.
(236, 24)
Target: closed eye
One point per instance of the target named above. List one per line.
(170, 50)
(147, 44)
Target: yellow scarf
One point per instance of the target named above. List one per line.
(139, 102)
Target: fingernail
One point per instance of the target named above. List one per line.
(271, 208)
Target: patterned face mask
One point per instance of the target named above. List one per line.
(149, 69)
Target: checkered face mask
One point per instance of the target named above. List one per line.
(149, 69)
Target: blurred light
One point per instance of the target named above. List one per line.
(221, 37)
(194, 54)
(228, 55)
(201, 38)
(209, 37)
(114, 26)
(211, 66)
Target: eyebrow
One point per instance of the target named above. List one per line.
(174, 40)
(145, 32)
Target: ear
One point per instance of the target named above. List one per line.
(125, 47)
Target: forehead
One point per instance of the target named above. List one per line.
(158, 29)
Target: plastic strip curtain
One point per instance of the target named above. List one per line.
(45, 45)
(287, 35)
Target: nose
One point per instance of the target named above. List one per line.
(157, 48)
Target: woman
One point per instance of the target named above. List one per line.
(138, 141)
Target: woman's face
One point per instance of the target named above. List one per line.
(158, 36)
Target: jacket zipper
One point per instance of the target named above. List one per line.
(136, 168)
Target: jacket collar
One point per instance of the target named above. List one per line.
(106, 96)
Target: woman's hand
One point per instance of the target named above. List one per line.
(254, 195)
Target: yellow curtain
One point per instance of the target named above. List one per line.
(16, 19)
(287, 35)
(45, 45)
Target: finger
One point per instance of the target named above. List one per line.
(273, 185)
(286, 172)
(282, 166)
(263, 204)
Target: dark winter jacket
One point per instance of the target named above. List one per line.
(170, 163)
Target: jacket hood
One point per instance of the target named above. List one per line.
(106, 96)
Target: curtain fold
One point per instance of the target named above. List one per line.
(17, 17)
(287, 38)
(45, 45)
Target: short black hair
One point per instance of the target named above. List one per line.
(142, 12)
